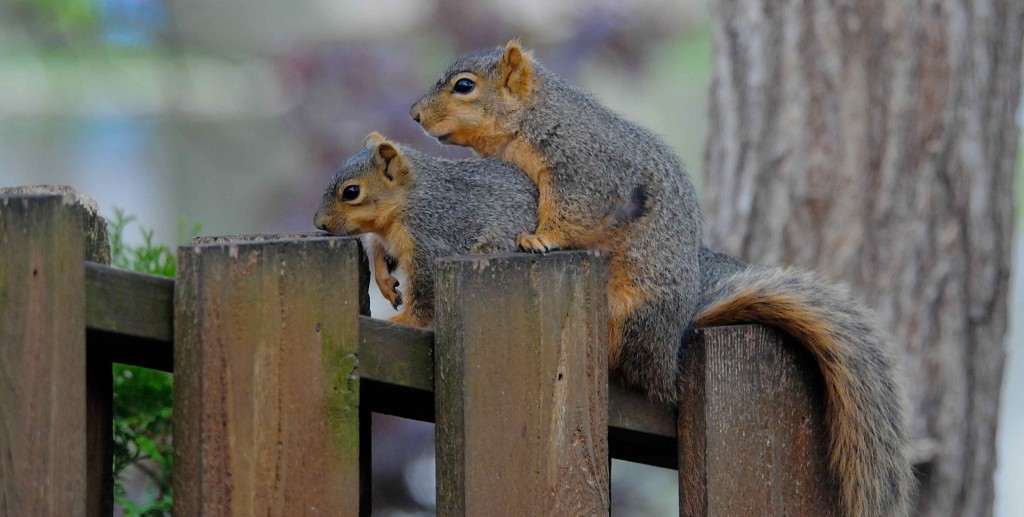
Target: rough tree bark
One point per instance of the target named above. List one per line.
(875, 141)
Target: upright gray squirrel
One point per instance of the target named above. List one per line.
(606, 183)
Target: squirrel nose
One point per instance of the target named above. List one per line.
(415, 113)
(416, 117)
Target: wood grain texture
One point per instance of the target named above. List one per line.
(94, 227)
(396, 354)
(640, 430)
(396, 367)
(43, 463)
(752, 434)
(257, 237)
(129, 303)
(99, 381)
(131, 314)
(266, 378)
(521, 385)
(876, 142)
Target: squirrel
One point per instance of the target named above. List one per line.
(610, 184)
(603, 183)
(485, 222)
(422, 208)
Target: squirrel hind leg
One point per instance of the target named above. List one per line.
(650, 341)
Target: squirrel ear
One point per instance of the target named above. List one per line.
(373, 139)
(391, 158)
(516, 69)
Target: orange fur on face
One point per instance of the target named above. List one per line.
(374, 211)
(467, 122)
(381, 194)
(473, 119)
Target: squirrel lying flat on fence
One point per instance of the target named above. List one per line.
(607, 183)
(423, 208)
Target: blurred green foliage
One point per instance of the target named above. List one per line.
(143, 397)
(142, 437)
(64, 16)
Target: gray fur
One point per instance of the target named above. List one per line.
(715, 265)
(454, 207)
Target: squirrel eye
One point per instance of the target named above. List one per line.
(464, 86)
(351, 192)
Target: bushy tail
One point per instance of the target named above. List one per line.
(865, 412)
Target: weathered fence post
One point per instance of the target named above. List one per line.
(43, 464)
(521, 385)
(752, 435)
(99, 442)
(266, 385)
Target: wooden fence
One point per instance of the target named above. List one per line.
(277, 367)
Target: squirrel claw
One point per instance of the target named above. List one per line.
(535, 243)
(391, 292)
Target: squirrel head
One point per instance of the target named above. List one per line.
(474, 100)
(365, 193)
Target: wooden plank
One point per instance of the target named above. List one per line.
(266, 378)
(99, 378)
(521, 385)
(43, 464)
(99, 382)
(396, 362)
(131, 314)
(94, 228)
(752, 423)
(692, 426)
(129, 303)
(396, 354)
(396, 366)
(257, 237)
(639, 430)
(99, 431)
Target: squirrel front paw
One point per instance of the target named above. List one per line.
(536, 243)
(390, 291)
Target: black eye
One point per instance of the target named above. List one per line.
(351, 192)
(464, 86)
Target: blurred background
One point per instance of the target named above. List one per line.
(235, 114)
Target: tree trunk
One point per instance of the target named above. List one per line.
(875, 142)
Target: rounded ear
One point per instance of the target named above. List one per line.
(385, 152)
(373, 139)
(516, 69)
(391, 158)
